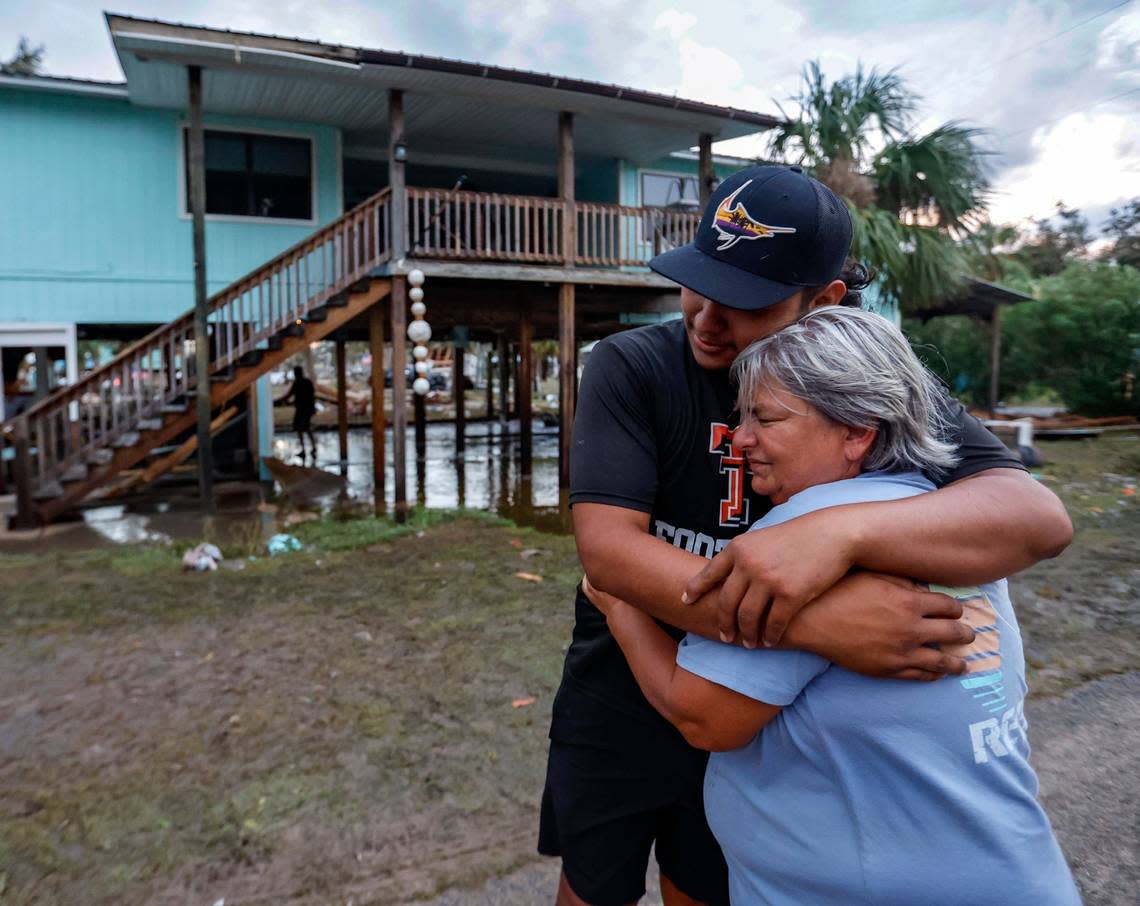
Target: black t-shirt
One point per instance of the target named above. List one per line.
(653, 433)
(304, 396)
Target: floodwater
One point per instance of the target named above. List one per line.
(486, 477)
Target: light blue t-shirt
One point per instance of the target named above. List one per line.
(883, 792)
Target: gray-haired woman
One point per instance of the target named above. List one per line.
(828, 787)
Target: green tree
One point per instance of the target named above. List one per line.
(27, 61)
(1055, 242)
(1081, 337)
(912, 196)
(1124, 227)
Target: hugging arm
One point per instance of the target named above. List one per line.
(871, 624)
(708, 715)
(979, 529)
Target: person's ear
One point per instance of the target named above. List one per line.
(857, 442)
(832, 294)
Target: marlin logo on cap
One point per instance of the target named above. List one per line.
(733, 223)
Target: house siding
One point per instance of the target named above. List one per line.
(91, 229)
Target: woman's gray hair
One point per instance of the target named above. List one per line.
(857, 369)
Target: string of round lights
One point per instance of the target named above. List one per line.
(419, 332)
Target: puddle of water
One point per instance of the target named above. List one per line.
(487, 477)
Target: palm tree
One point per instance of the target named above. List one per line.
(914, 199)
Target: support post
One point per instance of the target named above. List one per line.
(995, 358)
(490, 413)
(567, 379)
(566, 187)
(342, 402)
(376, 385)
(706, 175)
(196, 166)
(526, 388)
(22, 477)
(43, 373)
(460, 396)
(400, 396)
(398, 204)
(398, 198)
(504, 381)
(419, 416)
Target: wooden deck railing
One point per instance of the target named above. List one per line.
(477, 226)
(62, 432)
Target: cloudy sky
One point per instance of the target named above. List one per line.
(1057, 82)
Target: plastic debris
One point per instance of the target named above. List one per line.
(363, 636)
(282, 544)
(1128, 492)
(203, 558)
(523, 702)
(531, 552)
(528, 577)
(515, 542)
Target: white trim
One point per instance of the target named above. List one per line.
(180, 175)
(727, 160)
(63, 85)
(236, 48)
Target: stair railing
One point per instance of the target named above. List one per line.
(63, 432)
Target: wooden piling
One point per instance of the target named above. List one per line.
(376, 384)
(567, 379)
(526, 387)
(342, 402)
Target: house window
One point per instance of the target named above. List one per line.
(251, 175)
(669, 190)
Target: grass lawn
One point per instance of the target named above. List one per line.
(338, 723)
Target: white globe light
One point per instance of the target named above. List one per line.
(421, 386)
(419, 309)
(422, 368)
(419, 332)
(416, 294)
(416, 277)
(419, 353)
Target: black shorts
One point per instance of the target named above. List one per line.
(604, 808)
(302, 422)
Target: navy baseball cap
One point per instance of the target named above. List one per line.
(766, 232)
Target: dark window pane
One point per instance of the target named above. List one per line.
(256, 176)
(225, 151)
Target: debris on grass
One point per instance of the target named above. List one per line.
(282, 544)
(523, 702)
(203, 558)
(528, 577)
(531, 552)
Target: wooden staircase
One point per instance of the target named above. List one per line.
(81, 437)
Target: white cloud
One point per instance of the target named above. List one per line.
(1086, 160)
(675, 22)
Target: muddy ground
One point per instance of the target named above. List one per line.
(340, 725)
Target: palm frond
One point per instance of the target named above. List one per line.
(938, 177)
(918, 265)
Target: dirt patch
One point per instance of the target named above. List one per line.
(325, 721)
(337, 724)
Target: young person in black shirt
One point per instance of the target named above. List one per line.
(303, 394)
(658, 489)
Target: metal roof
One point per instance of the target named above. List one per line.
(976, 297)
(451, 105)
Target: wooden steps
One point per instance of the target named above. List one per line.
(136, 445)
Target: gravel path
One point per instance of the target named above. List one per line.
(1086, 750)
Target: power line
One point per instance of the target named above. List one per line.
(1055, 119)
(1043, 41)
